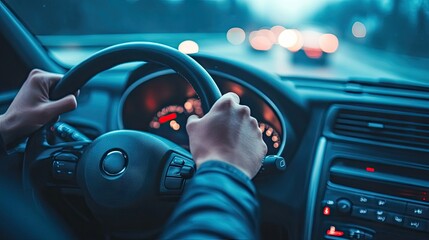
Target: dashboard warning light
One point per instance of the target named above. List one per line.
(333, 232)
(370, 169)
(326, 211)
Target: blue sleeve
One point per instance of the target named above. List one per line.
(2, 148)
(218, 203)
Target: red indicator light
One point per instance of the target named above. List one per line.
(167, 118)
(333, 232)
(326, 211)
(370, 169)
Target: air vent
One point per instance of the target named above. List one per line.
(383, 126)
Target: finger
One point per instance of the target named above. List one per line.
(192, 118)
(34, 71)
(190, 125)
(227, 101)
(53, 78)
(233, 96)
(62, 105)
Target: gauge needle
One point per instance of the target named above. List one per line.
(166, 118)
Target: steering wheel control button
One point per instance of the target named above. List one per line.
(66, 157)
(64, 170)
(187, 172)
(173, 183)
(177, 161)
(344, 206)
(173, 171)
(114, 163)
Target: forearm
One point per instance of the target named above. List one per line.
(220, 202)
(2, 134)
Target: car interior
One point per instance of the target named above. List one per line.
(348, 158)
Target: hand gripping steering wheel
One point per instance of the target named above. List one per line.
(130, 180)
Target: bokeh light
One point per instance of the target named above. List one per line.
(291, 39)
(328, 43)
(277, 30)
(259, 40)
(188, 47)
(313, 53)
(359, 30)
(236, 36)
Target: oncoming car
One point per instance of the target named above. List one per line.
(347, 137)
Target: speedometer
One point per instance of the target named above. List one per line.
(170, 121)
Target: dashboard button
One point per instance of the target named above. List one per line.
(363, 212)
(416, 224)
(380, 216)
(363, 200)
(417, 210)
(390, 205)
(344, 206)
(395, 219)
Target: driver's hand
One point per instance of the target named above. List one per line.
(227, 133)
(31, 108)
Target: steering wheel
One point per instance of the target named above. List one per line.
(130, 180)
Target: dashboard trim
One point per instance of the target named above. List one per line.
(314, 186)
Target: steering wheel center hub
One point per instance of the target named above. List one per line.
(114, 163)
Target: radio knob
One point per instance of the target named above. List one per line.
(344, 206)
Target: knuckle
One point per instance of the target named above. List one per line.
(245, 111)
(34, 71)
(264, 147)
(190, 125)
(254, 122)
(226, 103)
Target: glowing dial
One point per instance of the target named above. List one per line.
(170, 122)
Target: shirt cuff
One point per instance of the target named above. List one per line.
(217, 165)
(2, 147)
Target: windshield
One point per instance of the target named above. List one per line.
(323, 38)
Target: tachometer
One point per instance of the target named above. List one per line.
(270, 137)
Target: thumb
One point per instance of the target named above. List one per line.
(62, 105)
(193, 118)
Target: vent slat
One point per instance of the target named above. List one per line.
(382, 132)
(421, 132)
(393, 127)
(421, 123)
(381, 139)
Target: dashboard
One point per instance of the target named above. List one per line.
(356, 151)
(161, 103)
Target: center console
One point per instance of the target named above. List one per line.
(370, 189)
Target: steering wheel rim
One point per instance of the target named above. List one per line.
(41, 158)
(109, 57)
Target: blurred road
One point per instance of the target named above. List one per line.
(350, 61)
